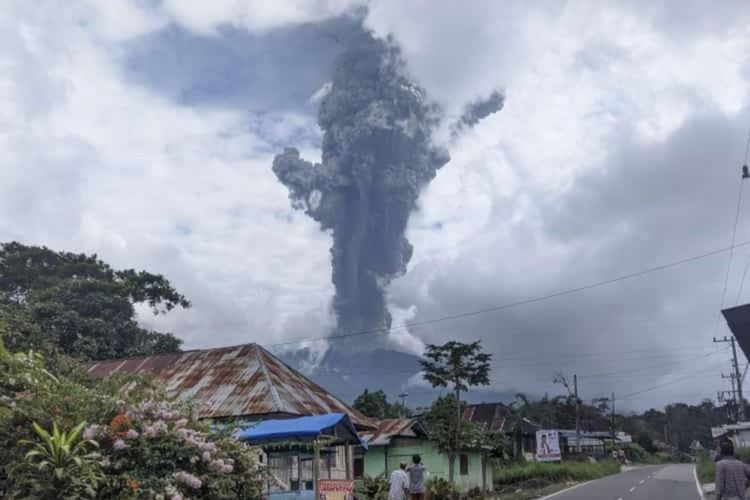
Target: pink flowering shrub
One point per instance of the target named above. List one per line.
(168, 455)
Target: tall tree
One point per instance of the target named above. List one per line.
(459, 366)
(375, 405)
(79, 304)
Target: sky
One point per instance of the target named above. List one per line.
(144, 131)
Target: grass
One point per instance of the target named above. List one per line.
(706, 467)
(706, 470)
(554, 472)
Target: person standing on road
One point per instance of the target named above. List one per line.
(731, 475)
(417, 473)
(399, 484)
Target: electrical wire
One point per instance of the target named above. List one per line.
(509, 305)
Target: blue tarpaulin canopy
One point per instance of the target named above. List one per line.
(331, 425)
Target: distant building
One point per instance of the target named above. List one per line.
(738, 433)
(496, 418)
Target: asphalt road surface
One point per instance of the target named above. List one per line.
(660, 482)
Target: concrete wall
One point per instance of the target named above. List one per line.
(402, 449)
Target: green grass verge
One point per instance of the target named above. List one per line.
(706, 471)
(554, 472)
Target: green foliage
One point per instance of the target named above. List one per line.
(441, 489)
(59, 465)
(683, 423)
(706, 470)
(456, 364)
(373, 488)
(155, 449)
(636, 454)
(460, 366)
(554, 472)
(375, 405)
(441, 424)
(164, 449)
(79, 305)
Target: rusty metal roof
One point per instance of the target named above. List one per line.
(238, 381)
(492, 415)
(390, 428)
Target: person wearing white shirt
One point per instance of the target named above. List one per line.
(399, 484)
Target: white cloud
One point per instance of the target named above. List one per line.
(206, 17)
(93, 163)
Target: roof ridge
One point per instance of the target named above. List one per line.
(267, 377)
(349, 407)
(173, 353)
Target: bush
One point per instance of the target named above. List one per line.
(149, 447)
(373, 488)
(636, 453)
(154, 449)
(555, 472)
(61, 465)
(441, 489)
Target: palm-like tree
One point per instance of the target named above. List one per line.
(62, 465)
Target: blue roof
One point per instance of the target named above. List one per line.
(336, 425)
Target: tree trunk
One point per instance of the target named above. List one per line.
(456, 438)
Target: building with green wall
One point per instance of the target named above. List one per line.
(396, 441)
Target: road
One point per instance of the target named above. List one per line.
(659, 482)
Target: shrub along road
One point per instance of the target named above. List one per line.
(657, 482)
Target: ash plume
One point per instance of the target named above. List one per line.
(377, 155)
(478, 110)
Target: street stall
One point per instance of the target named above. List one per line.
(307, 457)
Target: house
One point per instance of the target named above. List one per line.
(239, 382)
(246, 384)
(395, 441)
(498, 418)
(738, 433)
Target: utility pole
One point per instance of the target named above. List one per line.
(403, 397)
(578, 415)
(736, 378)
(614, 433)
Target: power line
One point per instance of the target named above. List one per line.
(671, 382)
(742, 282)
(478, 312)
(731, 249)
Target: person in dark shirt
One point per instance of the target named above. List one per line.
(417, 476)
(731, 475)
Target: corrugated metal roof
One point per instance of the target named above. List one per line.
(389, 428)
(238, 381)
(492, 415)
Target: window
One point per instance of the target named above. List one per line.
(463, 464)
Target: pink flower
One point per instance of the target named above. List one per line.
(132, 434)
(119, 444)
(188, 480)
(92, 431)
(181, 423)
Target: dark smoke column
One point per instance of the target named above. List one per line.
(377, 156)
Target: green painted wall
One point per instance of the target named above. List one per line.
(402, 449)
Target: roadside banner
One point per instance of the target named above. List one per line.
(548, 446)
(335, 490)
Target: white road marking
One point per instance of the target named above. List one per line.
(642, 481)
(564, 491)
(632, 489)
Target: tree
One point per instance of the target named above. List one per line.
(80, 305)
(375, 405)
(460, 366)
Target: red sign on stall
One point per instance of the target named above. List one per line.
(335, 490)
